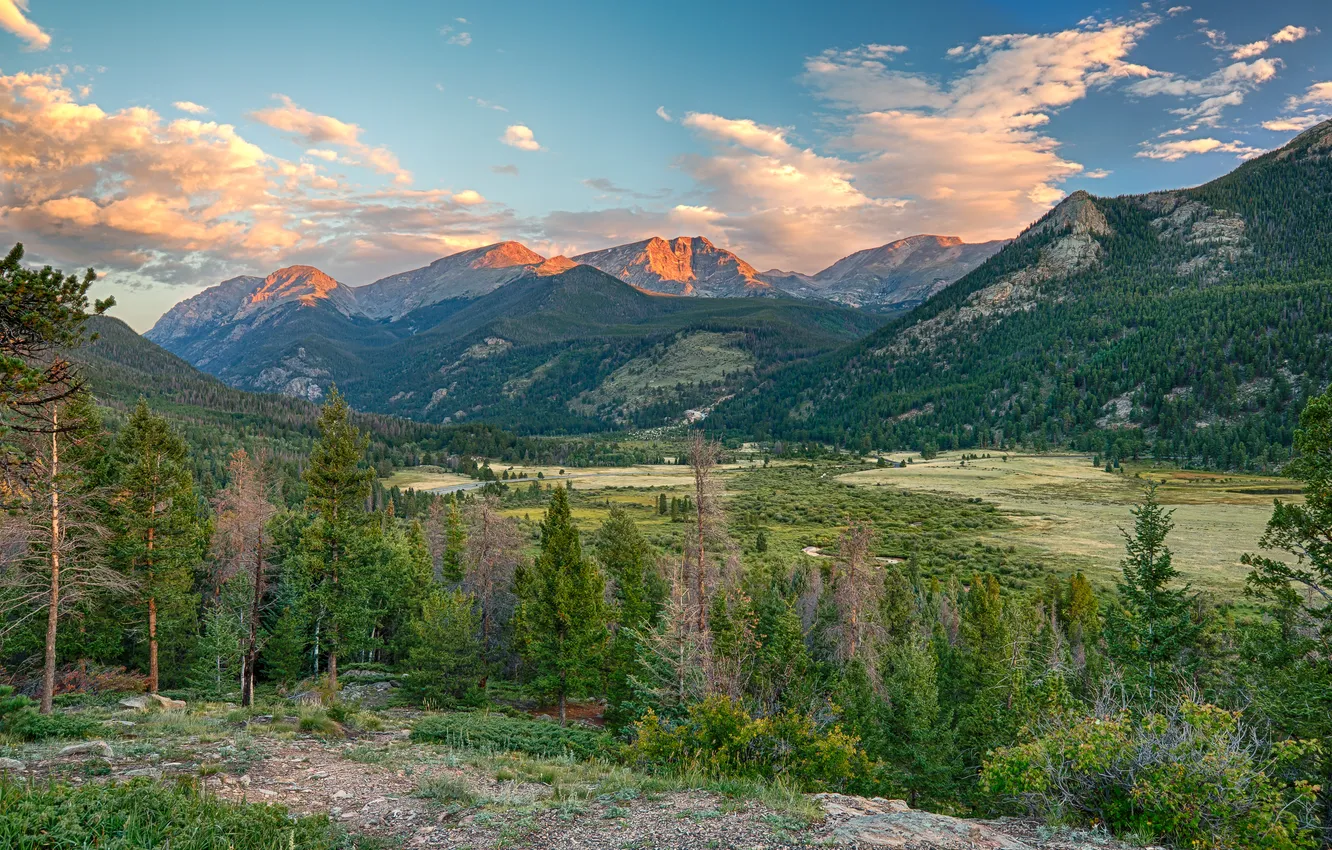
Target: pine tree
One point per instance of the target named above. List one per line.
(59, 556)
(455, 543)
(158, 533)
(561, 616)
(626, 558)
(338, 483)
(1153, 624)
(446, 655)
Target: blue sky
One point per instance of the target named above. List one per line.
(175, 144)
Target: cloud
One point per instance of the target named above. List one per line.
(1177, 150)
(1289, 34)
(1296, 123)
(663, 114)
(1178, 10)
(1317, 93)
(511, 170)
(311, 128)
(151, 200)
(190, 107)
(608, 188)
(964, 153)
(462, 39)
(13, 18)
(485, 104)
(521, 137)
(1214, 93)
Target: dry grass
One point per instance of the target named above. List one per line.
(1064, 505)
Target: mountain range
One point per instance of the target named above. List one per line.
(1190, 324)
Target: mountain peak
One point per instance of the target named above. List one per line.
(685, 265)
(555, 265)
(501, 255)
(304, 283)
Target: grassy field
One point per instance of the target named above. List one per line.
(423, 478)
(703, 357)
(1064, 505)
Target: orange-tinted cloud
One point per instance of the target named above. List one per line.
(13, 17)
(311, 128)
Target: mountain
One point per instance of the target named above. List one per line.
(1191, 324)
(531, 349)
(901, 274)
(467, 274)
(687, 265)
(121, 367)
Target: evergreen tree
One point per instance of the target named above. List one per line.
(1153, 624)
(338, 483)
(561, 616)
(158, 533)
(455, 543)
(626, 558)
(445, 659)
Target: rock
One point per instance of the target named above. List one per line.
(167, 703)
(308, 698)
(12, 766)
(912, 829)
(841, 805)
(89, 748)
(139, 703)
(262, 718)
(340, 795)
(128, 724)
(153, 772)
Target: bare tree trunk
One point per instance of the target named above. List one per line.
(564, 701)
(333, 673)
(53, 604)
(152, 644)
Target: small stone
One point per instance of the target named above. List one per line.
(12, 766)
(134, 703)
(125, 723)
(340, 795)
(262, 718)
(89, 748)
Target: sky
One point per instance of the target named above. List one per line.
(173, 145)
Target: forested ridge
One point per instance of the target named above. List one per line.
(1196, 333)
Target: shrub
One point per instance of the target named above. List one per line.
(142, 813)
(19, 718)
(486, 731)
(1193, 775)
(720, 738)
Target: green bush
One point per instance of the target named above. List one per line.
(142, 814)
(18, 717)
(486, 731)
(1194, 776)
(720, 738)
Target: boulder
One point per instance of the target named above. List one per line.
(167, 703)
(100, 749)
(308, 698)
(12, 766)
(911, 829)
(137, 703)
(842, 805)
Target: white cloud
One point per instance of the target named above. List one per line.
(1177, 150)
(1317, 93)
(1296, 123)
(190, 107)
(1214, 93)
(462, 39)
(13, 17)
(1178, 10)
(485, 104)
(311, 128)
(521, 137)
(1289, 34)
(468, 198)
(663, 114)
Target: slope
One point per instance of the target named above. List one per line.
(1189, 324)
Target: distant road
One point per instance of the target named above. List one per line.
(474, 485)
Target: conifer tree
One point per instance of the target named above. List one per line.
(338, 483)
(158, 532)
(626, 558)
(446, 655)
(561, 616)
(1153, 624)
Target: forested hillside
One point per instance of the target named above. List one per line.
(1190, 325)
